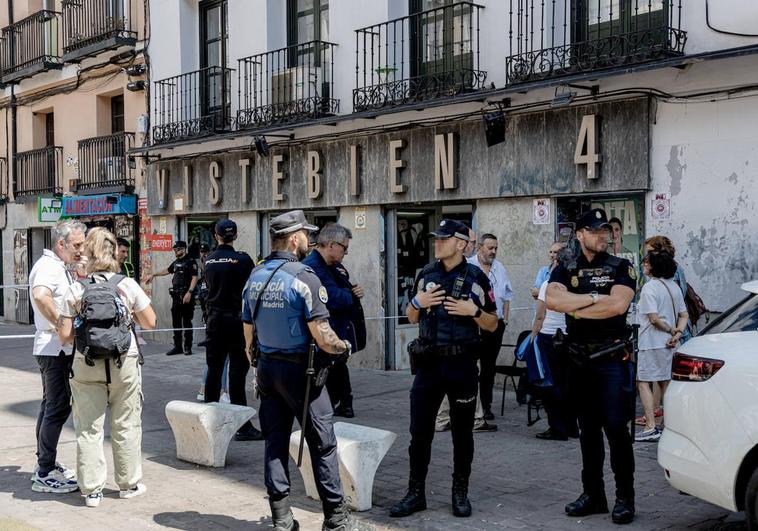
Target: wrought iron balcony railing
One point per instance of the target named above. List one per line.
(551, 38)
(103, 165)
(30, 45)
(3, 180)
(289, 85)
(38, 172)
(192, 105)
(91, 26)
(423, 56)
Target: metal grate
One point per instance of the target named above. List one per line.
(103, 162)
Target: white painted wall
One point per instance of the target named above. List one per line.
(705, 156)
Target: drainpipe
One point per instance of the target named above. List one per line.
(14, 124)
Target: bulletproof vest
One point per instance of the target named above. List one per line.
(280, 325)
(438, 326)
(182, 273)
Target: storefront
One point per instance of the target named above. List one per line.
(392, 188)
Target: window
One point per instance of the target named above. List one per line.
(213, 33)
(49, 130)
(117, 114)
(617, 19)
(743, 317)
(307, 20)
(443, 33)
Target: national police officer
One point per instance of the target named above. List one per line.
(183, 282)
(226, 272)
(595, 293)
(453, 302)
(291, 312)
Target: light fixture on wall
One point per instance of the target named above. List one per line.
(494, 123)
(135, 86)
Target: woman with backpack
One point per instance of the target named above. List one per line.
(98, 314)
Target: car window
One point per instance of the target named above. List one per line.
(742, 317)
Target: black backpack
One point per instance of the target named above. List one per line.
(103, 326)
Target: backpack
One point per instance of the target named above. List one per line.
(695, 306)
(103, 326)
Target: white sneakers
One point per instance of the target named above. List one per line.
(93, 499)
(54, 482)
(135, 491)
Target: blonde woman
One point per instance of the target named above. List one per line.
(104, 385)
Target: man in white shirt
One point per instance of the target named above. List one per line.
(49, 282)
(491, 341)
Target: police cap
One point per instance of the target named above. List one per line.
(450, 228)
(289, 222)
(226, 228)
(595, 219)
(180, 244)
(205, 248)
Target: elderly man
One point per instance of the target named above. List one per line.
(49, 281)
(343, 305)
(491, 341)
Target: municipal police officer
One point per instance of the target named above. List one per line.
(595, 293)
(453, 302)
(183, 282)
(284, 308)
(226, 272)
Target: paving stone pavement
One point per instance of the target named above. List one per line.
(518, 482)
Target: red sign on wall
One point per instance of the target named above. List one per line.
(162, 242)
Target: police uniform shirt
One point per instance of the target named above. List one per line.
(225, 275)
(183, 270)
(293, 297)
(435, 323)
(600, 275)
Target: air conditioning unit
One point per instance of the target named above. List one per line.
(296, 83)
(111, 169)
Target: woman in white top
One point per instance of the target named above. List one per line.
(104, 385)
(663, 317)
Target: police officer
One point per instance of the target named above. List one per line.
(202, 290)
(183, 283)
(292, 312)
(226, 272)
(326, 261)
(595, 293)
(453, 302)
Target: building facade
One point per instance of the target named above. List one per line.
(74, 85)
(513, 117)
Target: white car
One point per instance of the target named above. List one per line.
(709, 447)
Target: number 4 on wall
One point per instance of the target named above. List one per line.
(588, 144)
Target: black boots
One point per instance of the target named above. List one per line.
(623, 511)
(414, 500)
(586, 505)
(461, 505)
(248, 432)
(174, 351)
(282, 515)
(338, 519)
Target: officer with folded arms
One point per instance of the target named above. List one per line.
(453, 302)
(284, 309)
(594, 291)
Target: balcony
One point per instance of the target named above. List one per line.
(286, 86)
(38, 172)
(553, 38)
(30, 46)
(3, 180)
(424, 56)
(93, 26)
(103, 164)
(193, 105)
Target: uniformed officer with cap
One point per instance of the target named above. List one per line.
(595, 293)
(284, 309)
(183, 282)
(226, 272)
(453, 302)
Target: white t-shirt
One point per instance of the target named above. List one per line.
(134, 297)
(553, 320)
(50, 272)
(655, 298)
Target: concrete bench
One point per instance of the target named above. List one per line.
(360, 449)
(203, 431)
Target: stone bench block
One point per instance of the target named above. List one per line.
(360, 450)
(203, 431)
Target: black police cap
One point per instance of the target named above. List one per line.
(450, 228)
(594, 219)
(226, 228)
(180, 244)
(204, 248)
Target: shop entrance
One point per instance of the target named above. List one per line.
(126, 227)
(200, 231)
(408, 234)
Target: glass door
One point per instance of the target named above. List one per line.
(215, 83)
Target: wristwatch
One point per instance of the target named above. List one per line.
(348, 346)
(595, 296)
(478, 313)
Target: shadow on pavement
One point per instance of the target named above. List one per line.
(192, 520)
(20, 485)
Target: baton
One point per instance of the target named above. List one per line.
(309, 372)
(635, 352)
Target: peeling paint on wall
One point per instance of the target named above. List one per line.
(676, 169)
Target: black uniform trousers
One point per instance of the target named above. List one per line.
(54, 409)
(490, 348)
(560, 413)
(226, 338)
(181, 317)
(281, 385)
(338, 385)
(603, 393)
(456, 377)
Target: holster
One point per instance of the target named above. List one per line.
(583, 355)
(419, 351)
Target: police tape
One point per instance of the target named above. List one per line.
(17, 286)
